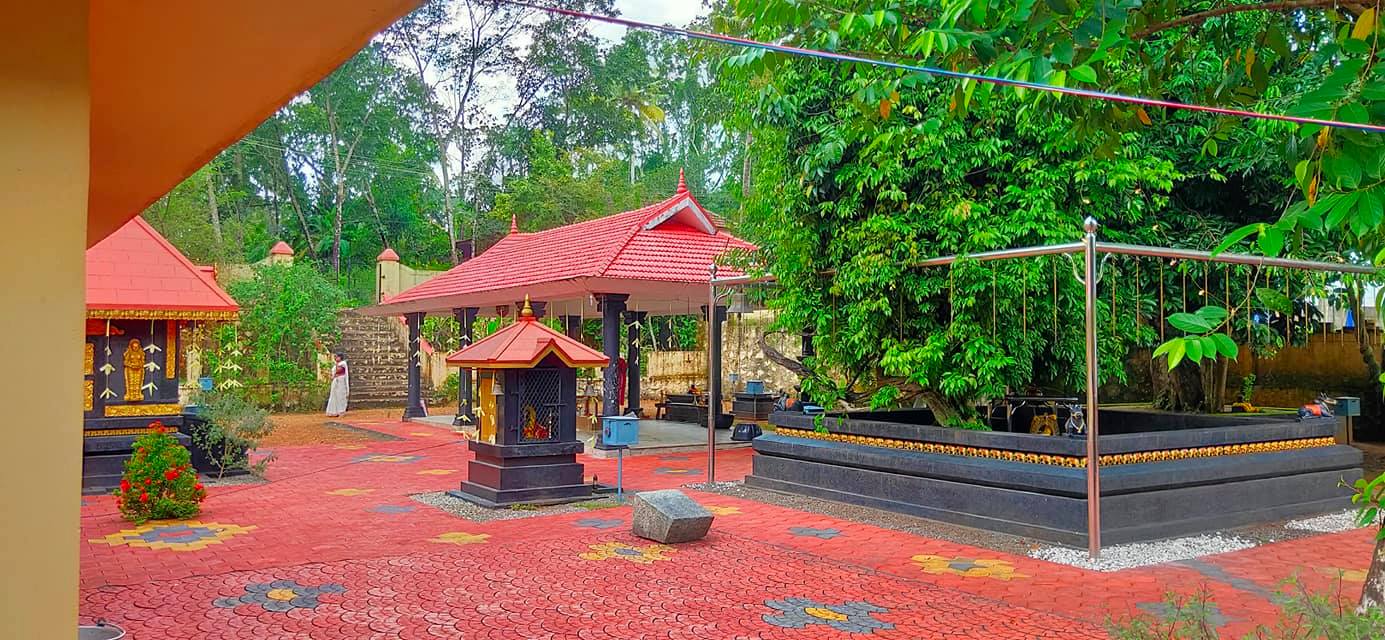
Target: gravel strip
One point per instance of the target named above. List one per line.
(476, 513)
(1141, 554)
(1330, 523)
(210, 480)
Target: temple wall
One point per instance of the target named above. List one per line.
(742, 359)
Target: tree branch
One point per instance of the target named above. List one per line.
(1194, 19)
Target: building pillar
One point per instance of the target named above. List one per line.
(466, 413)
(572, 327)
(633, 321)
(809, 351)
(714, 371)
(612, 305)
(413, 407)
(44, 174)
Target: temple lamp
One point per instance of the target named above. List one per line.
(740, 303)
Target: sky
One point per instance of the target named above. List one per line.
(675, 12)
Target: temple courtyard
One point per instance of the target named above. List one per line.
(335, 545)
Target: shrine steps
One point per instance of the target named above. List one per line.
(377, 350)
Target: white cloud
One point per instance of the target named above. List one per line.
(673, 12)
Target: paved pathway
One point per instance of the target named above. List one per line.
(333, 547)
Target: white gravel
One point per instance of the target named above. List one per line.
(1330, 523)
(1127, 556)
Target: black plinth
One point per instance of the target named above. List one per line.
(505, 475)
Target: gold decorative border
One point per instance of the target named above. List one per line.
(88, 391)
(1060, 460)
(96, 433)
(159, 314)
(135, 410)
(171, 349)
(88, 359)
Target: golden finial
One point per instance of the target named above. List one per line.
(527, 311)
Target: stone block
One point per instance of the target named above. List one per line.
(670, 517)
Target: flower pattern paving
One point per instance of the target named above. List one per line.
(529, 579)
(280, 595)
(825, 534)
(599, 523)
(851, 617)
(186, 535)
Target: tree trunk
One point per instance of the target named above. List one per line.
(211, 203)
(449, 214)
(1177, 390)
(1373, 591)
(336, 225)
(946, 412)
(745, 167)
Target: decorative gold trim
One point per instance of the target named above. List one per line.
(138, 410)
(171, 350)
(88, 359)
(88, 393)
(159, 314)
(1059, 460)
(96, 433)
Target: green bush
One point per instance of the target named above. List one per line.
(448, 391)
(159, 481)
(232, 430)
(288, 314)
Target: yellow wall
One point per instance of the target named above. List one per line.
(44, 115)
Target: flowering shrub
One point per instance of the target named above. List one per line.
(159, 481)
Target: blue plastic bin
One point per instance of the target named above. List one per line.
(755, 386)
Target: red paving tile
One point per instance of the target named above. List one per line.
(334, 547)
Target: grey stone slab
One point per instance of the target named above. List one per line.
(669, 517)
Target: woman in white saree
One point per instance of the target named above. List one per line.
(341, 387)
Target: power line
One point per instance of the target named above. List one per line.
(935, 71)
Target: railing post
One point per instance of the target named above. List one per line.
(1093, 468)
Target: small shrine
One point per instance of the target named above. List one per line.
(526, 451)
(141, 294)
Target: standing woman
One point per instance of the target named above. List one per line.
(336, 402)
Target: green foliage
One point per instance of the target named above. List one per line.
(159, 481)
(1247, 387)
(1369, 497)
(1302, 616)
(288, 316)
(449, 391)
(232, 430)
(1205, 339)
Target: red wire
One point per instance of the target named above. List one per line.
(840, 57)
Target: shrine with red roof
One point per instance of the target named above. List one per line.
(142, 295)
(655, 260)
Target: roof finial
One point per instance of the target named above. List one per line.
(514, 224)
(682, 183)
(527, 311)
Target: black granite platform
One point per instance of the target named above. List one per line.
(1194, 474)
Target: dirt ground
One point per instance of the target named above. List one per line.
(315, 428)
(1374, 463)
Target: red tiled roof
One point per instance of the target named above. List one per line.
(388, 255)
(135, 268)
(524, 344)
(671, 241)
(281, 248)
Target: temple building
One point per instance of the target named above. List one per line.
(141, 293)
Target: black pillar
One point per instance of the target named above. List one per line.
(714, 373)
(466, 413)
(633, 320)
(572, 327)
(413, 407)
(612, 305)
(809, 351)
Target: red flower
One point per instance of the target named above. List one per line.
(144, 497)
(197, 486)
(171, 474)
(124, 484)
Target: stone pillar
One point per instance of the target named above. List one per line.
(413, 407)
(633, 319)
(389, 275)
(714, 375)
(44, 173)
(466, 412)
(612, 305)
(572, 327)
(809, 351)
